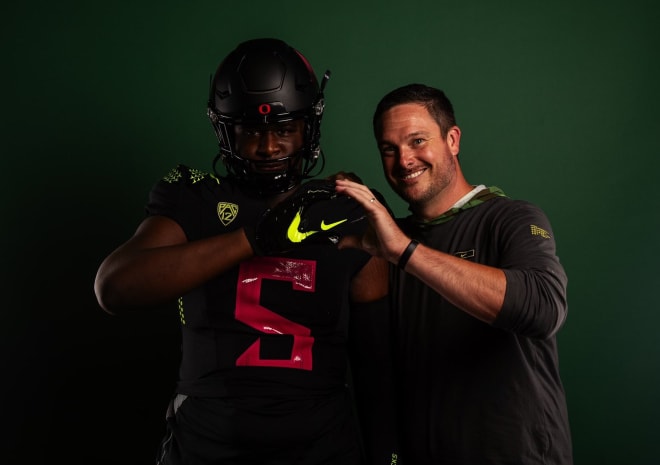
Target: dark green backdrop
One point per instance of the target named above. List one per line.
(558, 103)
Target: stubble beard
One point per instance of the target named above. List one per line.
(418, 197)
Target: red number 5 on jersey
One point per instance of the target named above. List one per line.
(302, 275)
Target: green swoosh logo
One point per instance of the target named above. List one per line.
(294, 234)
(325, 227)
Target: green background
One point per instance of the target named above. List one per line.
(558, 104)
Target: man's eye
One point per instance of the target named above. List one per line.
(387, 150)
(418, 141)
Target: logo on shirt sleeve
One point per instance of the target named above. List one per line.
(536, 231)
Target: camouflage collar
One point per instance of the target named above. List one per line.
(480, 197)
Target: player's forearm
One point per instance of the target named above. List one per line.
(474, 288)
(130, 279)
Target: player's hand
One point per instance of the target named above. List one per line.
(314, 214)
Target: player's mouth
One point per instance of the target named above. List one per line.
(272, 166)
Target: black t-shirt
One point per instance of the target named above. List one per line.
(476, 393)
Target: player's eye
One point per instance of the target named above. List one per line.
(287, 130)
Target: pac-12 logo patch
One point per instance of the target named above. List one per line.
(227, 212)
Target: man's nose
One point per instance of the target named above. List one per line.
(268, 145)
(406, 155)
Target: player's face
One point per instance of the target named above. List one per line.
(418, 162)
(269, 142)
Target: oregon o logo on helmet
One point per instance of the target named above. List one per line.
(264, 109)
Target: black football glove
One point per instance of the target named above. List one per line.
(313, 214)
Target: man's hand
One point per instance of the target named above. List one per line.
(382, 238)
(345, 175)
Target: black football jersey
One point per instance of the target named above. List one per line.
(273, 323)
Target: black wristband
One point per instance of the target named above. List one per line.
(405, 256)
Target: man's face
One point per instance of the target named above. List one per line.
(418, 162)
(268, 143)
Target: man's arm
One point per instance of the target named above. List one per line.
(158, 264)
(526, 300)
(474, 288)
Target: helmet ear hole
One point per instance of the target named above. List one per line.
(266, 81)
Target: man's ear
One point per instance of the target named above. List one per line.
(454, 140)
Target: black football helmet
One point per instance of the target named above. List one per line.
(266, 81)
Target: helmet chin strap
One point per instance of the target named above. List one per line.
(253, 176)
(241, 169)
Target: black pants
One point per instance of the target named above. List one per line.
(263, 431)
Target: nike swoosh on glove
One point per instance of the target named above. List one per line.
(313, 214)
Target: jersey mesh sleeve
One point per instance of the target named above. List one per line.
(171, 194)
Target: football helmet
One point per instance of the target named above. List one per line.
(266, 81)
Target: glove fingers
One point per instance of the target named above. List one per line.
(313, 214)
